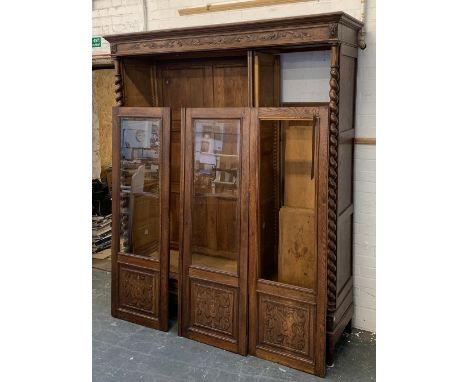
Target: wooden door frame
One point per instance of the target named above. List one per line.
(216, 278)
(143, 266)
(319, 338)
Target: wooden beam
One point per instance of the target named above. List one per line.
(219, 7)
(364, 141)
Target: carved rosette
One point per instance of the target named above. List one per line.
(332, 179)
(118, 84)
(333, 30)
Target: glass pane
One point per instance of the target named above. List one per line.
(287, 203)
(215, 207)
(140, 207)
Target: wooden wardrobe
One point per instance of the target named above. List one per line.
(233, 184)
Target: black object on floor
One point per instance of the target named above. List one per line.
(102, 203)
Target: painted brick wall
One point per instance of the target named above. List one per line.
(121, 16)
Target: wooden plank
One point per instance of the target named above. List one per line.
(220, 7)
(364, 141)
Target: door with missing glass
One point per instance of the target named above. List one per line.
(288, 196)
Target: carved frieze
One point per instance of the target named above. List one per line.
(213, 308)
(253, 38)
(136, 290)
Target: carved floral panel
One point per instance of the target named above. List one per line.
(252, 38)
(137, 290)
(213, 308)
(285, 326)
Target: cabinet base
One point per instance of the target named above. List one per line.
(333, 336)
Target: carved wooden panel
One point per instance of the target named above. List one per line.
(285, 324)
(213, 307)
(239, 40)
(138, 290)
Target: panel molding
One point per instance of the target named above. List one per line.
(285, 325)
(138, 290)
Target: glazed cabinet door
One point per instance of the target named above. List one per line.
(140, 215)
(288, 236)
(214, 226)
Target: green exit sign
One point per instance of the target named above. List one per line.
(96, 42)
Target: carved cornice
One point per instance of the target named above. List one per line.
(310, 29)
(102, 61)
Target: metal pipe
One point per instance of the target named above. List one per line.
(145, 15)
(362, 34)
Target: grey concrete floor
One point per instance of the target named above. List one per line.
(123, 351)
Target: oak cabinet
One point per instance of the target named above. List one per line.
(233, 184)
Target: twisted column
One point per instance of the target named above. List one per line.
(124, 202)
(118, 84)
(333, 177)
(124, 205)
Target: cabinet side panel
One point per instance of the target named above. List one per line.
(345, 171)
(345, 186)
(344, 254)
(347, 90)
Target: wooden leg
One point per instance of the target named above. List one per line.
(330, 350)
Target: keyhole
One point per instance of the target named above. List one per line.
(166, 81)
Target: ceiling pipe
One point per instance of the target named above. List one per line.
(145, 15)
(362, 34)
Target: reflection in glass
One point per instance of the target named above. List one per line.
(287, 203)
(140, 207)
(215, 209)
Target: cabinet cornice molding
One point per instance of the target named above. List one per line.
(313, 29)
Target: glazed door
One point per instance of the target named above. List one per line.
(214, 226)
(288, 236)
(140, 215)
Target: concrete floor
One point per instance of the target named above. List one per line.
(123, 351)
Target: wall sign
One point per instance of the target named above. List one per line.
(96, 42)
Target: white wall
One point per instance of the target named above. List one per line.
(305, 76)
(121, 16)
